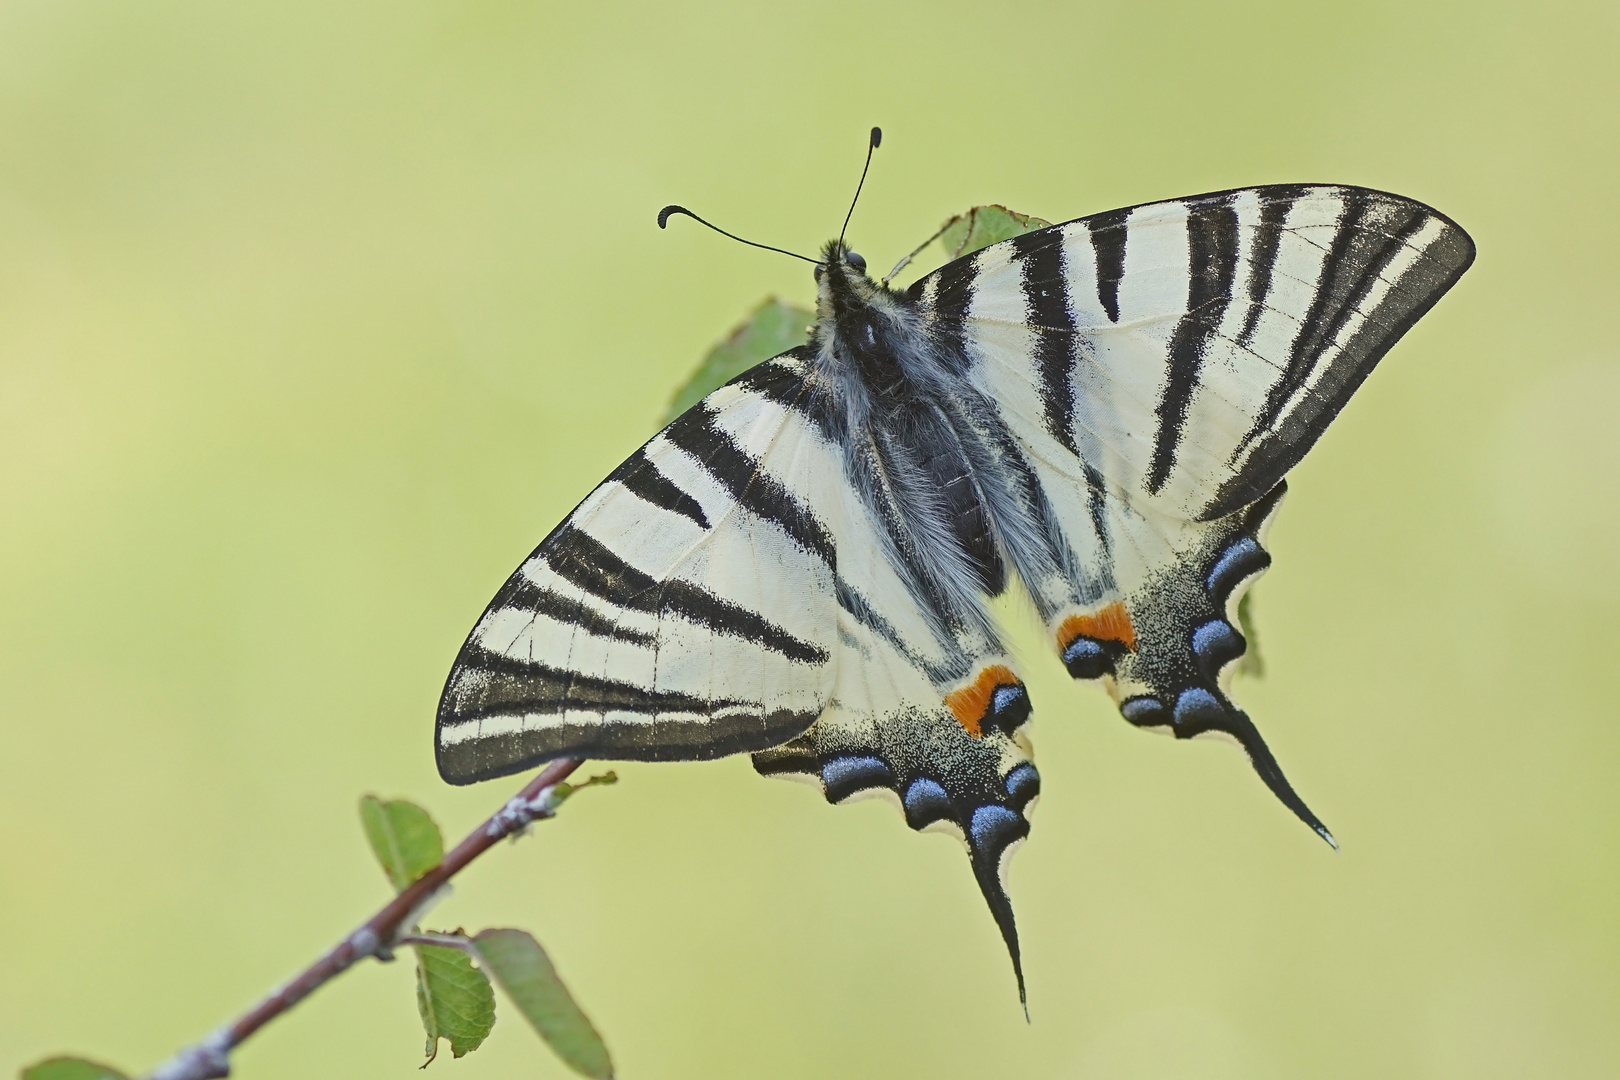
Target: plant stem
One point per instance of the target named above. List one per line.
(210, 1058)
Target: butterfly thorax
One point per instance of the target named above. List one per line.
(883, 383)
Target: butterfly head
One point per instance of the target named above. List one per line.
(837, 256)
(859, 321)
(842, 281)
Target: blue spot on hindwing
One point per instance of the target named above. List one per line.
(1199, 708)
(927, 802)
(1087, 658)
(994, 827)
(1145, 711)
(1009, 708)
(1023, 784)
(1215, 644)
(844, 776)
(1243, 559)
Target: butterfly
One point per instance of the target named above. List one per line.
(1098, 413)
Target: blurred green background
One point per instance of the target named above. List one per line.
(314, 318)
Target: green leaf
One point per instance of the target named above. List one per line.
(454, 998)
(985, 225)
(404, 837)
(524, 972)
(770, 329)
(70, 1068)
(566, 790)
(1250, 663)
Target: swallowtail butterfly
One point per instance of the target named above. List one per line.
(1099, 413)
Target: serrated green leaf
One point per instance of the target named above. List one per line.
(518, 963)
(70, 1068)
(454, 998)
(770, 329)
(404, 837)
(1249, 663)
(983, 226)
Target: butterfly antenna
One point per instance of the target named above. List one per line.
(667, 212)
(872, 144)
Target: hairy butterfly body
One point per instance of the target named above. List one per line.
(1099, 412)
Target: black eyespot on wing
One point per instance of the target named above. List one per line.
(1243, 559)
(1197, 709)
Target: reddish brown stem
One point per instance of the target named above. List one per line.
(211, 1058)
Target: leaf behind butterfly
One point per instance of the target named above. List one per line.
(1250, 663)
(769, 330)
(985, 225)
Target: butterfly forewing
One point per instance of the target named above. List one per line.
(1194, 350)
(684, 610)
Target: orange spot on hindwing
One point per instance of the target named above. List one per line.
(1089, 643)
(995, 699)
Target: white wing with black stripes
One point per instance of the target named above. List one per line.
(684, 610)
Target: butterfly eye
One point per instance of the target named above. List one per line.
(819, 270)
(855, 260)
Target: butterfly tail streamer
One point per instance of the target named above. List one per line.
(979, 788)
(1265, 764)
(1001, 833)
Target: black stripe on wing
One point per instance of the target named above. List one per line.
(1107, 233)
(1275, 204)
(858, 608)
(639, 476)
(632, 722)
(1350, 269)
(524, 595)
(1046, 296)
(582, 560)
(1373, 229)
(743, 477)
(1212, 240)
